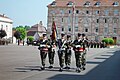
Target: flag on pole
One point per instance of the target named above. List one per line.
(73, 8)
(54, 31)
(73, 19)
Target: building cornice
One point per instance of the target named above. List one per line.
(6, 22)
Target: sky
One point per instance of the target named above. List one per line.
(25, 12)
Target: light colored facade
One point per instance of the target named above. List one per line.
(37, 31)
(6, 24)
(96, 18)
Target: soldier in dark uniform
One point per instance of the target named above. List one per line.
(43, 50)
(91, 44)
(68, 52)
(83, 56)
(61, 52)
(97, 44)
(51, 51)
(76, 43)
(79, 46)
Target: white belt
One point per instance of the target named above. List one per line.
(62, 49)
(44, 46)
(77, 46)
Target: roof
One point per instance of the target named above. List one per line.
(5, 19)
(36, 28)
(4, 16)
(31, 33)
(82, 2)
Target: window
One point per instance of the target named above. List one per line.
(52, 12)
(106, 30)
(69, 20)
(62, 28)
(70, 11)
(76, 28)
(70, 3)
(96, 30)
(106, 12)
(97, 12)
(77, 11)
(115, 30)
(116, 4)
(115, 20)
(97, 4)
(87, 12)
(1, 26)
(86, 29)
(62, 20)
(6, 28)
(76, 20)
(97, 20)
(105, 20)
(116, 12)
(62, 11)
(53, 3)
(69, 28)
(87, 4)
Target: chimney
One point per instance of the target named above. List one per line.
(41, 23)
(3, 15)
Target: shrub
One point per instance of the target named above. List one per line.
(111, 41)
(30, 38)
(108, 40)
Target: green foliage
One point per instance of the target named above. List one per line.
(30, 38)
(27, 27)
(108, 40)
(17, 34)
(13, 28)
(22, 31)
(2, 33)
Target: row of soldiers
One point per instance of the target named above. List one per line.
(65, 46)
(95, 44)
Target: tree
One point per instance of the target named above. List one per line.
(13, 28)
(2, 33)
(22, 31)
(27, 27)
(17, 34)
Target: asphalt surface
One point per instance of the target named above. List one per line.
(23, 63)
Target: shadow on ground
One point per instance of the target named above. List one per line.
(109, 69)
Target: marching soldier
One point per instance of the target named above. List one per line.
(85, 45)
(79, 48)
(51, 51)
(77, 43)
(61, 52)
(68, 52)
(43, 50)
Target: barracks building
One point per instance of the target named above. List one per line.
(96, 18)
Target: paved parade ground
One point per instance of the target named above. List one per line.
(23, 63)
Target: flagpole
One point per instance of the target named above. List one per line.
(73, 18)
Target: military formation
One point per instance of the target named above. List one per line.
(65, 46)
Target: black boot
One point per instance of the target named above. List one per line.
(51, 66)
(78, 70)
(61, 69)
(43, 68)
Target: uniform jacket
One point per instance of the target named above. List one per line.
(60, 43)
